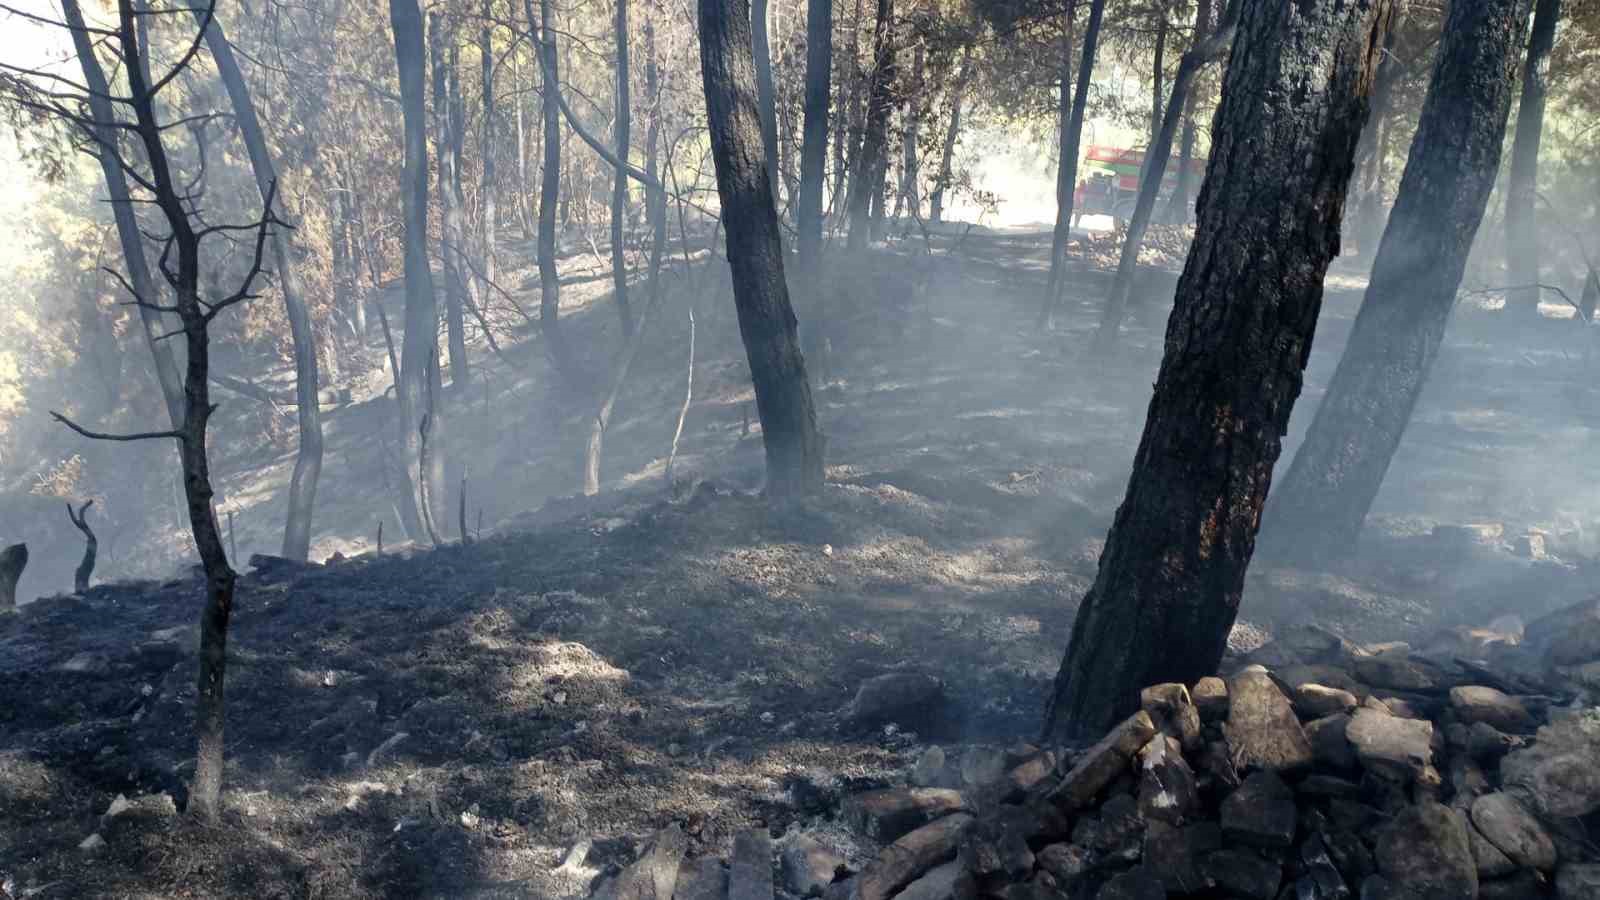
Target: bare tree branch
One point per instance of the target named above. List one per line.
(103, 436)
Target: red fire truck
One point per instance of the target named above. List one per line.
(1111, 184)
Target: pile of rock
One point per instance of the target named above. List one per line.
(1316, 770)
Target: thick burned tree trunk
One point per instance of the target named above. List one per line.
(1522, 218)
(13, 560)
(814, 143)
(766, 95)
(422, 314)
(1293, 102)
(122, 212)
(1067, 166)
(1318, 511)
(947, 158)
(619, 185)
(794, 447)
(91, 547)
(550, 190)
(308, 459)
(866, 179)
(1150, 178)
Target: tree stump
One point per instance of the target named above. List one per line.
(13, 560)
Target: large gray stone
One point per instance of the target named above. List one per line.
(1314, 701)
(808, 865)
(1242, 872)
(1426, 850)
(1519, 835)
(702, 879)
(1262, 729)
(1558, 769)
(1102, 763)
(1330, 745)
(910, 699)
(905, 860)
(887, 814)
(1174, 853)
(1476, 703)
(1569, 636)
(654, 875)
(1167, 788)
(938, 883)
(1387, 745)
(750, 869)
(1491, 862)
(1400, 673)
(1174, 712)
(1261, 813)
(1210, 697)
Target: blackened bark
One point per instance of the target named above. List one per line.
(766, 95)
(14, 558)
(1150, 177)
(814, 146)
(1522, 218)
(1067, 166)
(619, 186)
(128, 236)
(1155, 87)
(866, 180)
(953, 131)
(1318, 511)
(550, 192)
(794, 447)
(308, 458)
(1293, 101)
(422, 314)
(1178, 208)
(91, 547)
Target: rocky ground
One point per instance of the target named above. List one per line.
(523, 716)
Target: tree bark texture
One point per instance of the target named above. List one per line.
(623, 121)
(448, 132)
(866, 179)
(794, 446)
(952, 132)
(308, 458)
(1293, 101)
(1067, 167)
(1318, 511)
(420, 341)
(91, 547)
(766, 94)
(1178, 209)
(1366, 205)
(1522, 216)
(14, 558)
(1157, 68)
(814, 143)
(488, 191)
(550, 191)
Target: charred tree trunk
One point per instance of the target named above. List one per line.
(1067, 165)
(308, 459)
(91, 547)
(850, 123)
(14, 558)
(1293, 101)
(1522, 217)
(619, 185)
(1150, 177)
(422, 314)
(948, 157)
(122, 211)
(1157, 74)
(866, 179)
(1366, 213)
(1317, 513)
(1178, 208)
(448, 134)
(814, 146)
(910, 189)
(488, 207)
(794, 447)
(766, 95)
(550, 192)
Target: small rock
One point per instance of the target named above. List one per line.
(1425, 850)
(1487, 857)
(1210, 697)
(1067, 863)
(1396, 748)
(1170, 706)
(1508, 826)
(1314, 701)
(937, 884)
(982, 766)
(1028, 775)
(1174, 853)
(1578, 882)
(1488, 743)
(930, 768)
(1304, 644)
(995, 848)
(119, 805)
(1261, 728)
(86, 663)
(1167, 789)
(885, 815)
(702, 879)
(1399, 673)
(1261, 813)
(1330, 745)
(912, 700)
(1242, 872)
(1475, 703)
(92, 844)
(808, 866)
(1102, 763)
(1558, 770)
(750, 869)
(1134, 884)
(1322, 879)
(1567, 637)
(470, 817)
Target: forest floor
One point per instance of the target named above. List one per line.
(448, 723)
